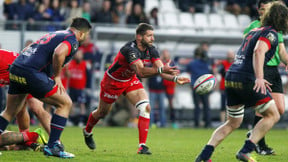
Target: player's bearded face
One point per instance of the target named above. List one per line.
(148, 38)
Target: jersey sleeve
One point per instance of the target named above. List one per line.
(270, 37)
(130, 54)
(154, 54)
(72, 44)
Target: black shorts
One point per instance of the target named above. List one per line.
(242, 93)
(23, 81)
(271, 74)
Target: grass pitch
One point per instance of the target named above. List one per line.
(120, 144)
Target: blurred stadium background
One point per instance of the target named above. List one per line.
(180, 25)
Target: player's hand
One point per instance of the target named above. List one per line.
(183, 80)
(286, 67)
(262, 85)
(170, 69)
(58, 83)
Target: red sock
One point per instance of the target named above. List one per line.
(30, 136)
(90, 123)
(143, 126)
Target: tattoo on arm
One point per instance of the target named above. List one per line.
(10, 138)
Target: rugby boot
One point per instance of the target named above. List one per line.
(89, 139)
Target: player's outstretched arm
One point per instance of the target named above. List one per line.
(177, 79)
(157, 68)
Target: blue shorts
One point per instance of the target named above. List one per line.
(23, 81)
(242, 93)
(77, 95)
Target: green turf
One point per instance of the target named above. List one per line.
(120, 144)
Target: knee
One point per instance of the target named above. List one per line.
(234, 124)
(144, 107)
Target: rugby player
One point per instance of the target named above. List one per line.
(245, 84)
(31, 73)
(271, 74)
(120, 78)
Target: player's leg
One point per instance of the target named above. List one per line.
(223, 107)
(23, 119)
(270, 117)
(100, 112)
(235, 116)
(162, 109)
(271, 75)
(206, 110)
(139, 98)
(15, 103)
(82, 101)
(152, 98)
(196, 100)
(36, 106)
(63, 105)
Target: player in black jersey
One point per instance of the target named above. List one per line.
(245, 84)
(31, 73)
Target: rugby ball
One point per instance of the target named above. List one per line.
(204, 84)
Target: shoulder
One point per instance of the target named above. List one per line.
(129, 47)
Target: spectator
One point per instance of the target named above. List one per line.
(40, 14)
(200, 66)
(77, 83)
(23, 10)
(105, 15)
(154, 17)
(141, 2)
(75, 10)
(118, 14)
(64, 9)
(86, 9)
(223, 68)
(137, 16)
(169, 88)
(156, 97)
(237, 7)
(56, 16)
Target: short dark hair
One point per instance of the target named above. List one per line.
(81, 24)
(259, 2)
(276, 17)
(142, 28)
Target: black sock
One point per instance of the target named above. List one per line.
(248, 147)
(256, 120)
(262, 142)
(207, 152)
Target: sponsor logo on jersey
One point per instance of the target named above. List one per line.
(271, 37)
